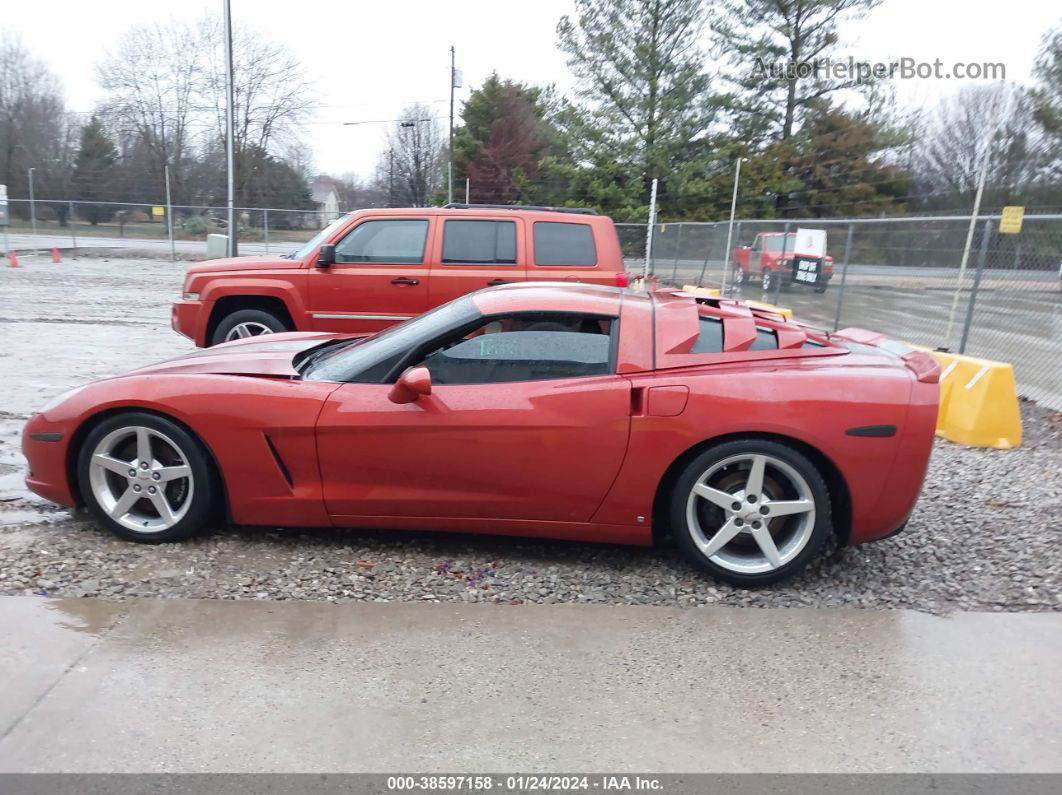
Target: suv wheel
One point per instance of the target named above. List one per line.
(245, 323)
(750, 512)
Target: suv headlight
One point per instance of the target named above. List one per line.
(189, 296)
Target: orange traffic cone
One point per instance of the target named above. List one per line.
(55, 254)
(12, 258)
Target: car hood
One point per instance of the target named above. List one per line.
(267, 356)
(255, 263)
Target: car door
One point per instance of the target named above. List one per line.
(475, 252)
(379, 277)
(516, 427)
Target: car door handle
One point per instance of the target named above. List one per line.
(496, 282)
(405, 281)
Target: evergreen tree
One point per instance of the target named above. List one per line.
(500, 143)
(640, 67)
(795, 36)
(1047, 101)
(94, 172)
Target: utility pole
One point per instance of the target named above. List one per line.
(391, 177)
(33, 211)
(450, 166)
(169, 216)
(730, 228)
(230, 127)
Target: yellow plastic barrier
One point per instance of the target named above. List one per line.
(711, 292)
(978, 402)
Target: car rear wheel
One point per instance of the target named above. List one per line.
(145, 478)
(245, 323)
(750, 512)
(821, 288)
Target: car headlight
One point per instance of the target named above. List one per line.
(189, 296)
(58, 399)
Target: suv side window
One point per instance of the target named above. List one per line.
(479, 243)
(559, 243)
(397, 242)
(525, 347)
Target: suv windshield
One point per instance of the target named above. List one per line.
(319, 238)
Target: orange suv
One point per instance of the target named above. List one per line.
(373, 268)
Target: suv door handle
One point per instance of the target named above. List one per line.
(405, 281)
(496, 282)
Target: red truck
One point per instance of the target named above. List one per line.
(373, 268)
(764, 260)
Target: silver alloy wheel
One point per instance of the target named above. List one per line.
(249, 329)
(767, 276)
(141, 478)
(762, 510)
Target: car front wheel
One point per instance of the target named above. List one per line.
(146, 478)
(750, 512)
(247, 323)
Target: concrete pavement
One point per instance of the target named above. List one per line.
(208, 686)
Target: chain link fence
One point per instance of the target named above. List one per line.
(69, 224)
(901, 276)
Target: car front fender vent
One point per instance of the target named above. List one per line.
(279, 461)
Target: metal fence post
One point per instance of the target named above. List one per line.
(781, 262)
(73, 226)
(265, 227)
(844, 276)
(985, 234)
(649, 233)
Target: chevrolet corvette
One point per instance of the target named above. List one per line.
(566, 411)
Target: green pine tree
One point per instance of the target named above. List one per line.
(93, 172)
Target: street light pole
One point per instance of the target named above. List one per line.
(450, 165)
(33, 211)
(230, 126)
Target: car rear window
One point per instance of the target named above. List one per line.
(479, 243)
(564, 244)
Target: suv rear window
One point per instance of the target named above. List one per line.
(564, 244)
(479, 243)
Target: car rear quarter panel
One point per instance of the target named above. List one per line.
(812, 402)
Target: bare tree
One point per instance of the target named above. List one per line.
(35, 130)
(273, 96)
(153, 78)
(948, 156)
(410, 168)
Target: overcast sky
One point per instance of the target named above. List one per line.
(369, 59)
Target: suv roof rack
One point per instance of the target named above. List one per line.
(574, 210)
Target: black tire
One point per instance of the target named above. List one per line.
(202, 484)
(686, 536)
(247, 317)
(821, 288)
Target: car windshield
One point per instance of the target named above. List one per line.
(319, 238)
(371, 358)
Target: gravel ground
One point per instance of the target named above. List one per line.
(985, 534)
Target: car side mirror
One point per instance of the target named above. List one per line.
(412, 384)
(326, 256)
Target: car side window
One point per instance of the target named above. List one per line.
(397, 242)
(564, 244)
(527, 347)
(479, 243)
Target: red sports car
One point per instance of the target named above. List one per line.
(563, 411)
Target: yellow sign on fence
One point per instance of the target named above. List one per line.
(1010, 220)
(158, 212)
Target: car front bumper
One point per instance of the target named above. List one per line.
(189, 318)
(45, 445)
